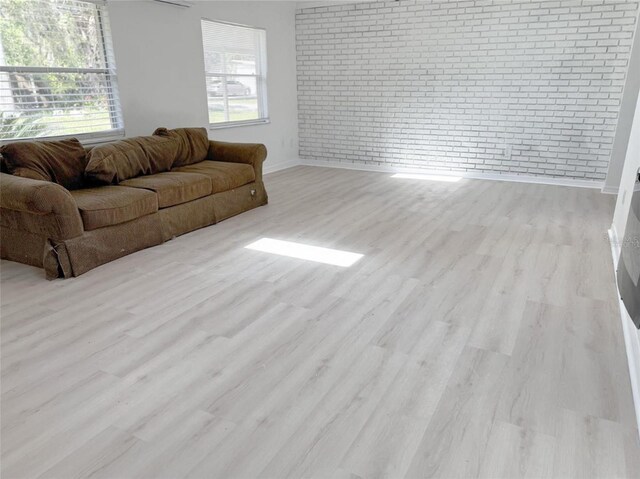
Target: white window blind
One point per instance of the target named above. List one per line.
(57, 74)
(236, 73)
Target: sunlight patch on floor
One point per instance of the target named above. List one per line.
(303, 251)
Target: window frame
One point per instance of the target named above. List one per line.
(109, 71)
(260, 78)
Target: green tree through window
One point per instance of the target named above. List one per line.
(57, 74)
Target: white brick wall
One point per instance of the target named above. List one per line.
(501, 86)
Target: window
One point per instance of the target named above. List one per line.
(235, 68)
(57, 75)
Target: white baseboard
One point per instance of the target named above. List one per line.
(631, 337)
(610, 190)
(281, 165)
(464, 174)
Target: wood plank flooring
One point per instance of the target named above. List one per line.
(479, 336)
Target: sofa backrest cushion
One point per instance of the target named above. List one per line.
(117, 161)
(194, 144)
(61, 162)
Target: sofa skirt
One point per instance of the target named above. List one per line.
(22, 246)
(73, 257)
(239, 200)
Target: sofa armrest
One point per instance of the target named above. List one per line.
(252, 154)
(39, 207)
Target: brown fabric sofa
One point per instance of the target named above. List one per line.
(71, 231)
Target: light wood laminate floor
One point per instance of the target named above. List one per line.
(479, 336)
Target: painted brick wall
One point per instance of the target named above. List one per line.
(497, 86)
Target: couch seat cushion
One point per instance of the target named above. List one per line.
(173, 188)
(224, 176)
(112, 205)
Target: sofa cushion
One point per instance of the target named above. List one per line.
(173, 188)
(112, 205)
(193, 144)
(120, 160)
(61, 162)
(224, 176)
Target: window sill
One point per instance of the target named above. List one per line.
(96, 140)
(233, 124)
(87, 139)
